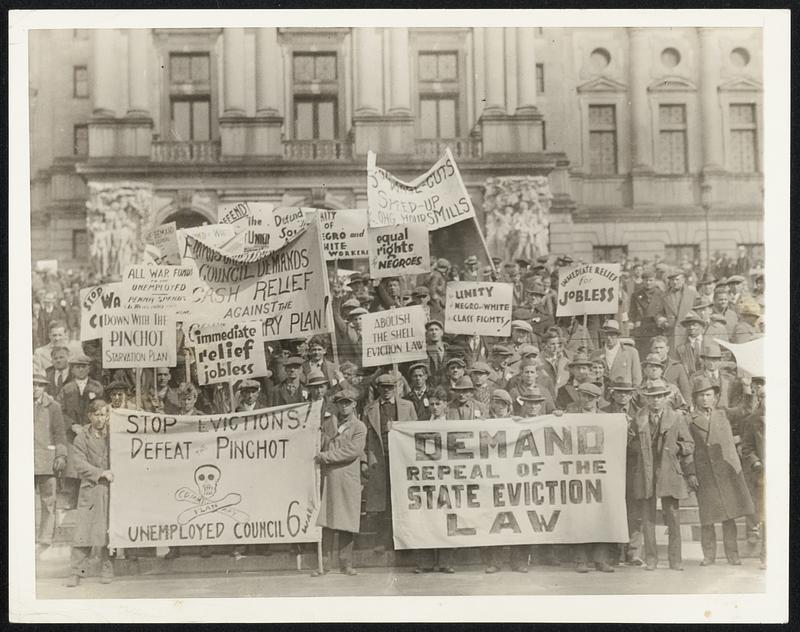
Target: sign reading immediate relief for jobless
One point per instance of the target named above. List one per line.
(546, 480)
(225, 352)
(478, 308)
(393, 335)
(138, 338)
(398, 250)
(215, 479)
(588, 289)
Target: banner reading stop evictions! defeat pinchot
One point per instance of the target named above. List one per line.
(215, 479)
(588, 289)
(494, 482)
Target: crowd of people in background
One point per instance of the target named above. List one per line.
(695, 421)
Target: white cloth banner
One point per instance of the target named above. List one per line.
(437, 198)
(215, 479)
(95, 301)
(287, 290)
(749, 355)
(398, 250)
(226, 352)
(344, 233)
(588, 289)
(478, 308)
(393, 335)
(494, 482)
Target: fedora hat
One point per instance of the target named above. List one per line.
(655, 387)
(703, 383)
(580, 359)
(463, 384)
(621, 385)
(692, 317)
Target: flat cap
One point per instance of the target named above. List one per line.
(502, 350)
(357, 311)
(117, 385)
(590, 389)
(438, 323)
(531, 394)
(248, 385)
(463, 384)
(521, 324)
(503, 395)
(456, 360)
(419, 365)
(480, 367)
(386, 379)
(421, 290)
(346, 394)
(81, 358)
(293, 361)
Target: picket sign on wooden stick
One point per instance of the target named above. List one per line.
(232, 396)
(334, 345)
(138, 373)
(485, 245)
(187, 368)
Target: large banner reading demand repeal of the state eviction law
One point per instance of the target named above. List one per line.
(215, 479)
(498, 481)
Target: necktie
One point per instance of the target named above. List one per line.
(60, 381)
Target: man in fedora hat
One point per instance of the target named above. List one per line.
(678, 300)
(455, 369)
(531, 375)
(688, 353)
(705, 287)
(580, 369)
(747, 329)
(653, 369)
(722, 495)
(291, 390)
(672, 371)
(471, 270)
(722, 305)
(711, 359)
(620, 362)
(379, 415)
(463, 406)
(660, 449)
(647, 312)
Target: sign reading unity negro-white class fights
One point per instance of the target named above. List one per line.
(215, 479)
(225, 352)
(165, 245)
(158, 287)
(287, 290)
(260, 226)
(478, 308)
(398, 250)
(437, 198)
(137, 338)
(394, 335)
(492, 482)
(344, 233)
(95, 301)
(588, 289)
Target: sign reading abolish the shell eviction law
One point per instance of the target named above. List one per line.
(393, 335)
(225, 352)
(95, 301)
(588, 289)
(344, 233)
(138, 338)
(478, 308)
(215, 479)
(287, 290)
(437, 198)
(398, 250)
(492, 482)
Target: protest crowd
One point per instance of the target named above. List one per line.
(695, 422)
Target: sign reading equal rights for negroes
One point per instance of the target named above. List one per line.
(287, 290)
(215, 479)
(225, 352)
(478, 308)
(95, 301)
(394, 335)
(344, 233)
(437, 198)
(588, 289)
(495, 482)
(398, 250)
(139, 338)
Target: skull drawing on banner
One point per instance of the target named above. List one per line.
(206, 477)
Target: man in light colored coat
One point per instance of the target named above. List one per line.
(621, 362)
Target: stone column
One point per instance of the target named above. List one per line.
(400, 87)
(233, 57)
(368, 65)
(104, 77)
(268, 71)
(493, 71)
(641, 132)
(709, 101)
(138, 83)
(526, 71)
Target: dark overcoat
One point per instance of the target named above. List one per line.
(722, 494)
(75, 408)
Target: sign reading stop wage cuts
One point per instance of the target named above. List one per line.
(95, 301)
(437, 198)
(494, 482)
(393, 335)
(588, 289)
(477, 308)
(215, 479)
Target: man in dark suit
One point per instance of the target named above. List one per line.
(291, 390)
(379, 416)
(580, 368)
(58, 374)
(419, 395)
(678, 300)
(647, 312)
(317, 348)
(688, 353)
(438, 351)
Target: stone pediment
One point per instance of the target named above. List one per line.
(672, 84)
(741, 84)
(602, 84)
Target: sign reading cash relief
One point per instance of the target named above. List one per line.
(588, 289)
(215, 479)
(493, 482)
(437, 198)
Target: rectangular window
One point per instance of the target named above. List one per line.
(314, 67)
(675, 254)
(672, 139)
(438, 117)
(189, 68)
(315, 118)
(609, 254)
(80, 245)
(744, 140)
(539, 78)
(80, 140)
(438, 94)
(190, 118)
(602, 139)
(80, 82)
